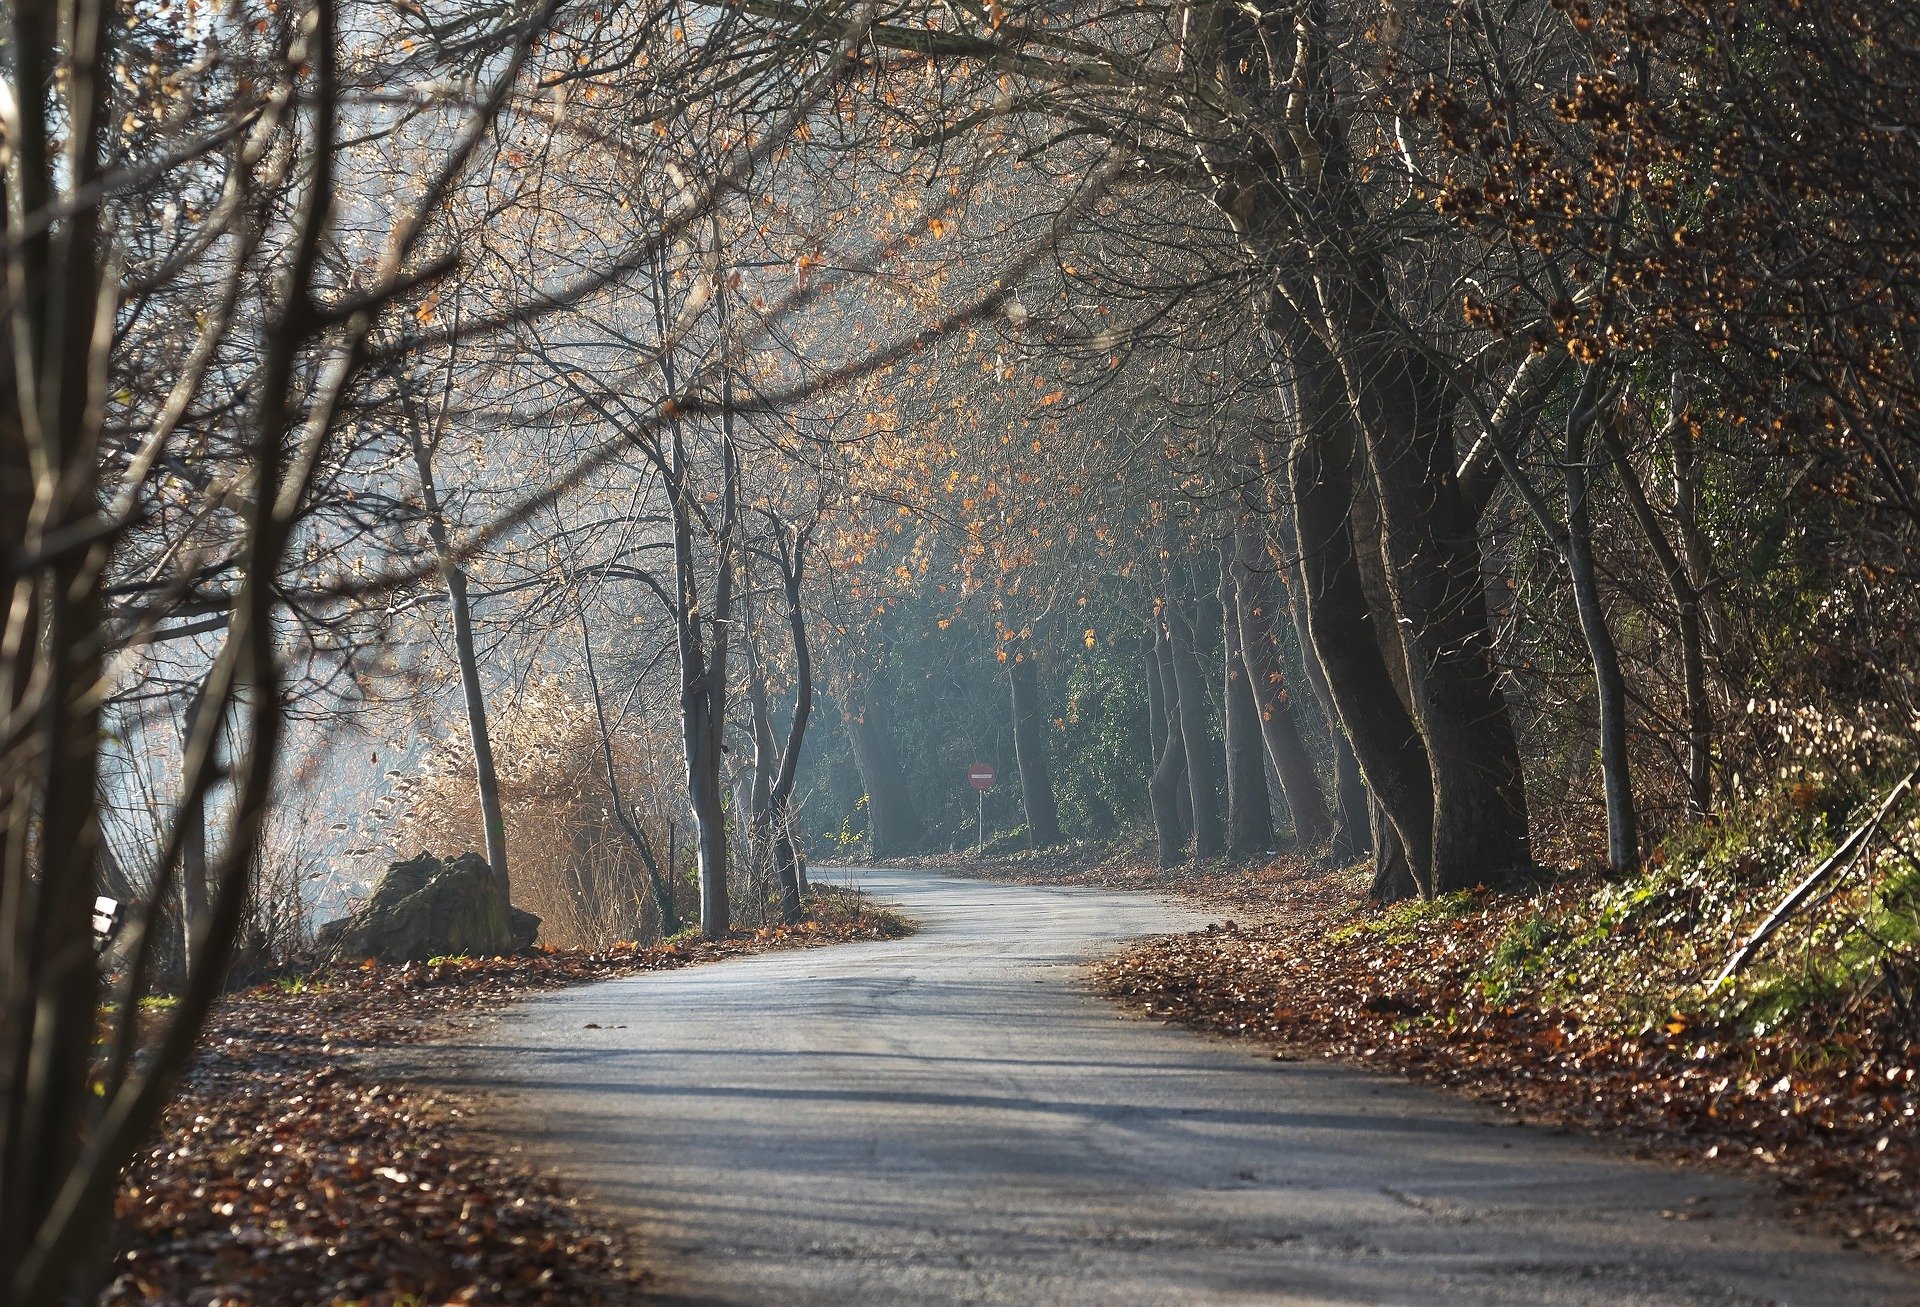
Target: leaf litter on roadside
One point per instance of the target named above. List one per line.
(289, 1171)
(1828, 1114)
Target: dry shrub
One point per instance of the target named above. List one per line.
(568, 858)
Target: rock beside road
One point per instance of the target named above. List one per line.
(427, 908)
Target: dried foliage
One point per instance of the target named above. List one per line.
(571, 862)
(292, 1172)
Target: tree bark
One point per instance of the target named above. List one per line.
(792, 558)
(1030, 752)
(1249, 807)
(1393, 879)
(1209, 833)
(1432, 543)
(703, 637)
(196, 893)
(1169, 779)
(1679, 577)
(894, 824)
(1255, 607)
(1697, 617)
(703, 680)
(761, 823)
(1610, 686)
(1322, 473)
(1687, 579)
(486, 779)
(1353, 806)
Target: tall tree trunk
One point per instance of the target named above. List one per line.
(1322, 474)
(1168, 782)
(1403, 414)
(1697, 616)
(1255, 606)
(765, 759)
(760, 806)
(895, 824)
(703, 725)
(1203, 785)
(703, 636)
(1030, 752)
(1176, 739)
(703, 682)
(1249, 808)
(1610, 685)
(196, 893)
(1432, 543)
(486, 779)
(792, 558)
(1166, 836)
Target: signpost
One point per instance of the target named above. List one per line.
(983, 777)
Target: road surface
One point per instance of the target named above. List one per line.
(953, 1118)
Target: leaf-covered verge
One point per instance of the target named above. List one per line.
(1584, 1001)
(289, 1172)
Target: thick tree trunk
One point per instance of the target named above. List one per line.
(1432, 543)
(1392, 873)
(1168, 783)
(1203, 785)
(1030, 752)
(1249, 808)
(1255, 606)
(1322, 474)
(894, 824)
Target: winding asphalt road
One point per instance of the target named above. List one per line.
(951, 1118)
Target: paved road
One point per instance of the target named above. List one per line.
(951, 1118)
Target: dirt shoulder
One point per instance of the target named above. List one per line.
(289, 1172)
(1556, 1004)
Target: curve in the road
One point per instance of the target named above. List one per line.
(952, 1118)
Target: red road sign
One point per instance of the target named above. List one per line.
(982, 776)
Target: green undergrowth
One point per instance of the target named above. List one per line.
(1402, 923)
(1637, 954)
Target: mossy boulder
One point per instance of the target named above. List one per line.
(426, 908)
